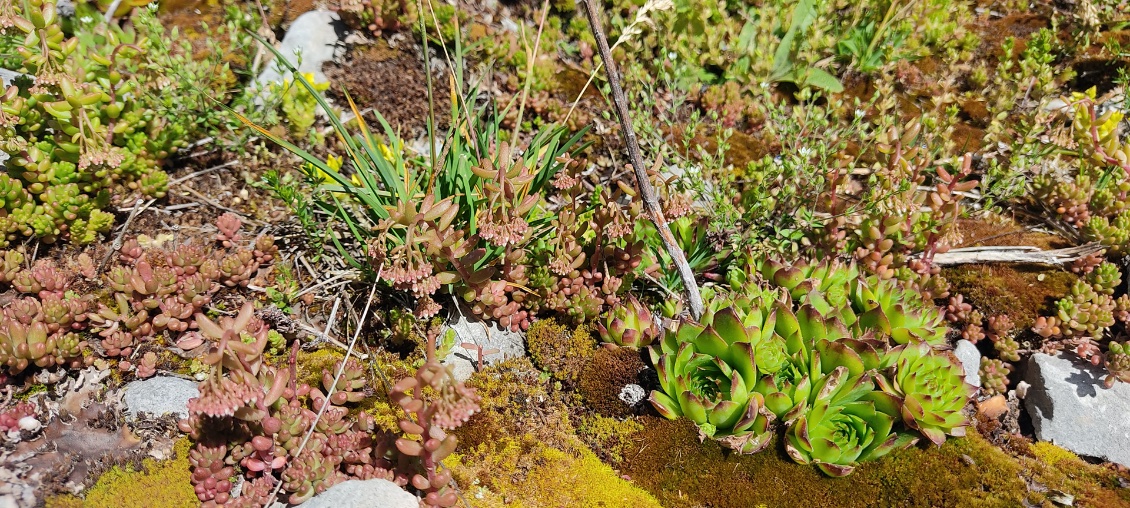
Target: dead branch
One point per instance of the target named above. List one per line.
(1015, 254)
(650, 200)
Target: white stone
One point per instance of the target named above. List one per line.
(314, 36)
(29, 423)
(159, 396)
(376, 493)
(486, 335)
(632, 394)
(970, 359)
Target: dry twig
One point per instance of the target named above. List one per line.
(647, 192)
(1017, 254)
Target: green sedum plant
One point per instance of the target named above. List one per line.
(76, 131)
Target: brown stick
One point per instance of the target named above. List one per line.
(650, 200)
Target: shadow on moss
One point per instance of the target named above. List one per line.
(668, 460)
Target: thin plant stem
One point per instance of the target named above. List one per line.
(529, 70)
(647, 192)
(428, 75)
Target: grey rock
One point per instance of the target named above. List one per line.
(1070, 407)
(485, 335)
(6, 77)
(376, 493)
(65, 8)
(314, 36)
(159, 396)
(970, 359)
(632, 394)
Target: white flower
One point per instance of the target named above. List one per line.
(805, 152)
(859, 113)
(86, 19)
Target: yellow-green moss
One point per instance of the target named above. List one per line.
(1059, 469)
(159, 483)
(558, 351)
(1054, 456)
(311, 365)
(524, 472)
(608, 436)
(516, 400)
(34, 389)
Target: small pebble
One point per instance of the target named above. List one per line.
(29, 423)
(994, 407)
(968, 460)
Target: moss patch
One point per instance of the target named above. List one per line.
(668, 460)
(312, 365)
(557, 350)
(607, 374)
(998, 230)
(608, 437)
(522, 450)
(1021, 291)
(522, 472)
(158, 483)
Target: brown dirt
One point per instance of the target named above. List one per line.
(1003, 231)
(968, 138)
(1019, 26)
(391, 81)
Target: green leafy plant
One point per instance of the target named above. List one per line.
(931, 388)
(785, 67)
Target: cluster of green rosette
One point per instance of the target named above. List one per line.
(846, 365)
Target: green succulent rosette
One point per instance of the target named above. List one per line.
(931, 389)
(707, 374)
(897, 313)
(810, 346)
(846, 422)
(629, 324)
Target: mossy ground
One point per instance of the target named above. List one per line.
(158, 483)
(523, 451)
(668, 460)
(1023, 292)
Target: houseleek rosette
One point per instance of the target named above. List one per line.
(807, 346)
(931, 388)
(707, 374)
(897, 313)
(845, 422)
(629, 324)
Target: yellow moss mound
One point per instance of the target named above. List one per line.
(159, 483)
(522, 450)
(557, 350)
(525, 473)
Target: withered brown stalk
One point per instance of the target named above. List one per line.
(647, 192)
